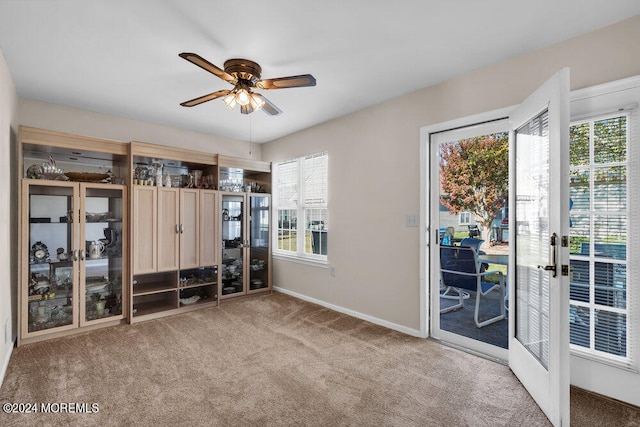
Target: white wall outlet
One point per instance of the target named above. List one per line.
(332, 270)
(411, 220)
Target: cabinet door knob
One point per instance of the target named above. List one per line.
(75, 255)
(177, 229)
(82, 255)
(181, 228)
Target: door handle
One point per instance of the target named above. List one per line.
(82, 255)
(177, 229)
(181, 228)
(75, 255)
(552, 256)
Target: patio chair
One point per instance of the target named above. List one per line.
(459, 270)
(469, 242)
(474, 243)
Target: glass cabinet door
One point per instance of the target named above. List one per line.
(51, 276)
(232, 244)
(258, 241)
(102, 260)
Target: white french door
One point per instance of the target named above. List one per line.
(539, 252)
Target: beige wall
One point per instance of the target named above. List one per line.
(8, 262)
(374, 166)
(87, 123)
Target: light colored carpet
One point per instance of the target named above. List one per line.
(265, 360)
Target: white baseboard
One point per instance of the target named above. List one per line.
(375, 320)
(5, 364)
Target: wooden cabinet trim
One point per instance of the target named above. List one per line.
(145, 149)
(248, 164)
(29, 135)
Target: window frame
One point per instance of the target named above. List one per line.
(301, 209)
(468, 216)
(630, 359)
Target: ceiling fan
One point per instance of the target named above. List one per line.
(244, 75)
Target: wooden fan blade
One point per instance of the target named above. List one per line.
(208, 66)
(205, 98)
(285, 82)
(269, 107)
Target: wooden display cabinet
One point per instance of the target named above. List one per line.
(245, 227)
(74, 269)
(174, 233)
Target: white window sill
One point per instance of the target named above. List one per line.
(576, 351)
(322, 263)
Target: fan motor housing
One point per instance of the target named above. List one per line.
(243, 69)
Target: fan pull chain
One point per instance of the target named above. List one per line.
(250, 142)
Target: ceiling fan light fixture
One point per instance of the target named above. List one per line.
(242, 97)
(256, 101)
(230, 100)
(244, 75)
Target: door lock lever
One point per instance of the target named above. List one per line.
(548, 267)
(552, 256)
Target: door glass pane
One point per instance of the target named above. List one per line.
(579, 190)
(579, 144)
(103, 244)
(532, 241)
(610, 284)
(51, 236)
(609, 189)
(232, 244)
(580, 233)
(610, 140)
(579, 285)
(259, 242)
(579, 329)
(473, 171)
(610, 333)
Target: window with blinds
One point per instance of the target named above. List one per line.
(599, 211)
(301, 192)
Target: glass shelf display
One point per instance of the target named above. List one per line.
(232, 244)
(103, 262)
(74, 272)
(245, 243)
(52, 281)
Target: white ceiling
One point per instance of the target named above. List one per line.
(120, 57)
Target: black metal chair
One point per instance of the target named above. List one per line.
(459, 270)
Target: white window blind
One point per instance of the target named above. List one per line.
(301, 191)
(602, 291)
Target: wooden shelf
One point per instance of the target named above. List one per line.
(199, 302)
(152, 288)
(197, 285)
(151, 307)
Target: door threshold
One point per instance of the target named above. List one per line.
(469, 351)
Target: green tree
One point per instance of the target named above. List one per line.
(474, 176)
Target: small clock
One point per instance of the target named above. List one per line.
(39, 252)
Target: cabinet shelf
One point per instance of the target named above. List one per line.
(150, 307)
(202, 301)
(40, 222)
(152, 288)
(111, 257)
(61, 299)
(198, 285)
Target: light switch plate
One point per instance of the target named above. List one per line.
(411, 220)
